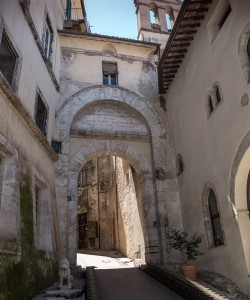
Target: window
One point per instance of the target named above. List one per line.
(169, 23)
(154, 17)
(224, 16)
(110, 73)
(215, 219)
(214, 98)
(47, 38)
(218, 18)
(8, 58)
(68, 10)
(41, 115)
(248, 48)
(86, 174)
(57, 146)
(179, 165)
(217, 94)
(210, 104)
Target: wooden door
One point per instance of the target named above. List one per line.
(82, 231)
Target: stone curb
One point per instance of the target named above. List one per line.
(187, 289)
(92, 287)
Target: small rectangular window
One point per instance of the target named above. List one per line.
(57, 146)
(8, 57)
(110, 73)
(47, 38)
(224, 16)
(41, 115)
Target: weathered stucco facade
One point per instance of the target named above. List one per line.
(214, 143)
(29, 238)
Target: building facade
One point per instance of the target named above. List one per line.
(207, 102)
(108, 142)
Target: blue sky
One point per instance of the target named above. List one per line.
(112, 17)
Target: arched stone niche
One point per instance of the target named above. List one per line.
(68, 120)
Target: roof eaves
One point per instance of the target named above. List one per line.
(96, 35)
(189, 19)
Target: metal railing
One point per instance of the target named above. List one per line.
(74, 14)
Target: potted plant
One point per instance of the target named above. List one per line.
(189, 250)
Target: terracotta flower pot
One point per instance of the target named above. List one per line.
(189, 272)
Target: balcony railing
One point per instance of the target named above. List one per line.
(74, 14)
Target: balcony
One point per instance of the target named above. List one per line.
(75, 20)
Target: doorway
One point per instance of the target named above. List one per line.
(109, 207)
(82, 231)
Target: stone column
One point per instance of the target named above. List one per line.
(143, 16)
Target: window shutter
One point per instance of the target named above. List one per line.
(109, 68)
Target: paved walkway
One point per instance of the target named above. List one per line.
(132, 284)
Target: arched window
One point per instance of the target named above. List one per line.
(154, 17)
(179, 165)
(215, 219)
(248, 48)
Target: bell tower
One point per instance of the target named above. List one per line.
(156, 19)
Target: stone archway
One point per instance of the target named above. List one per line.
(238, 193)
(67, 167)
(120, 149)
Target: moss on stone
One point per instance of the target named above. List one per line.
(22, 277)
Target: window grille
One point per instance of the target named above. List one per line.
(215, 219)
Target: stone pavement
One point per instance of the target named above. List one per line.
(132, 284)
